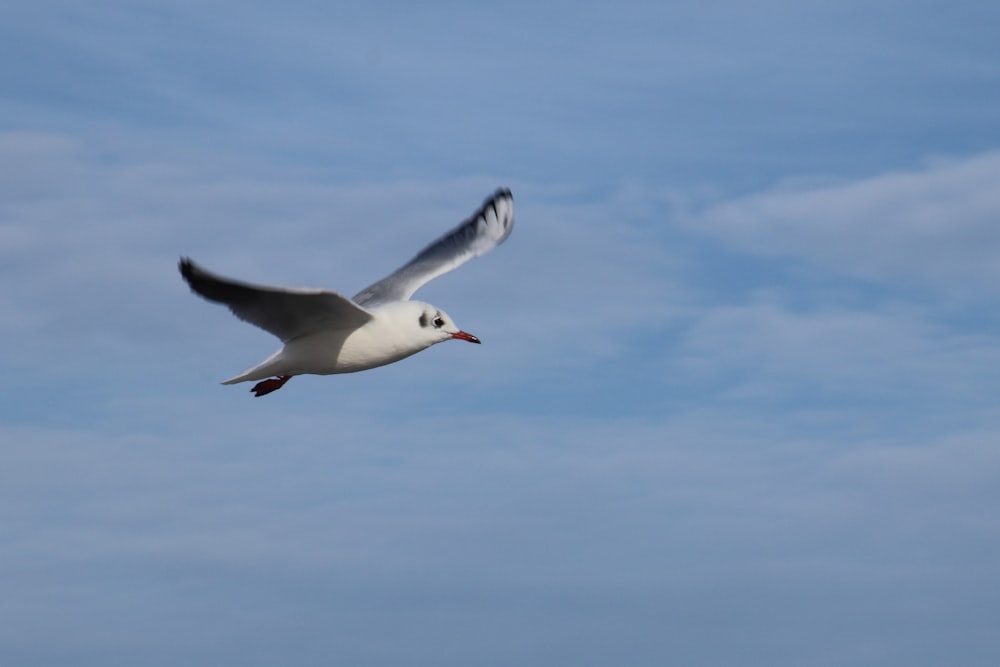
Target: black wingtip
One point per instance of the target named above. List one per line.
(500, 192)
(187, 268)
(491, 201)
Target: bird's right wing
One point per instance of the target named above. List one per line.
(286, 312)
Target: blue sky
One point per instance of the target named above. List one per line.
(737, 397)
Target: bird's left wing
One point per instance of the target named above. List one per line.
(286, 312)
(486, 229)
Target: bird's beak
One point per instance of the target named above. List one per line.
(461, 335)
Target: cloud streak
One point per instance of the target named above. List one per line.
(934, 227)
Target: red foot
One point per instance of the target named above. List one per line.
(269, 385)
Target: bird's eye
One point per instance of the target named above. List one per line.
(438, 322)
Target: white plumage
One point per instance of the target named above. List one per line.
(324, 332)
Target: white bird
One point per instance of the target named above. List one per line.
(325, 333)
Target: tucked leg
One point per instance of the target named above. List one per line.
(269, 385)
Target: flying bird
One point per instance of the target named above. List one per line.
(325, 333)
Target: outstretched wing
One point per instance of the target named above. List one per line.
(486, 229)
(287, 312)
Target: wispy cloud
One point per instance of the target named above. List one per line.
(765, 350)
(935, 227)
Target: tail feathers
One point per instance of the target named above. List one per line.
(270, 367)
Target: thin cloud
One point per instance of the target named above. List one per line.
(766, 350)
(934, 227)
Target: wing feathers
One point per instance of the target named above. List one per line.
(286, 312)
(486, 229)
(292, 312)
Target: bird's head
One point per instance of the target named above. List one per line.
(431, 323)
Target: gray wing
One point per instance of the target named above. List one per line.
(486, 229)
(287, 312)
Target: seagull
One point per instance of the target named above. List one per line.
(325, 333)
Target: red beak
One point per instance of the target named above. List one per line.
(461, 335)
